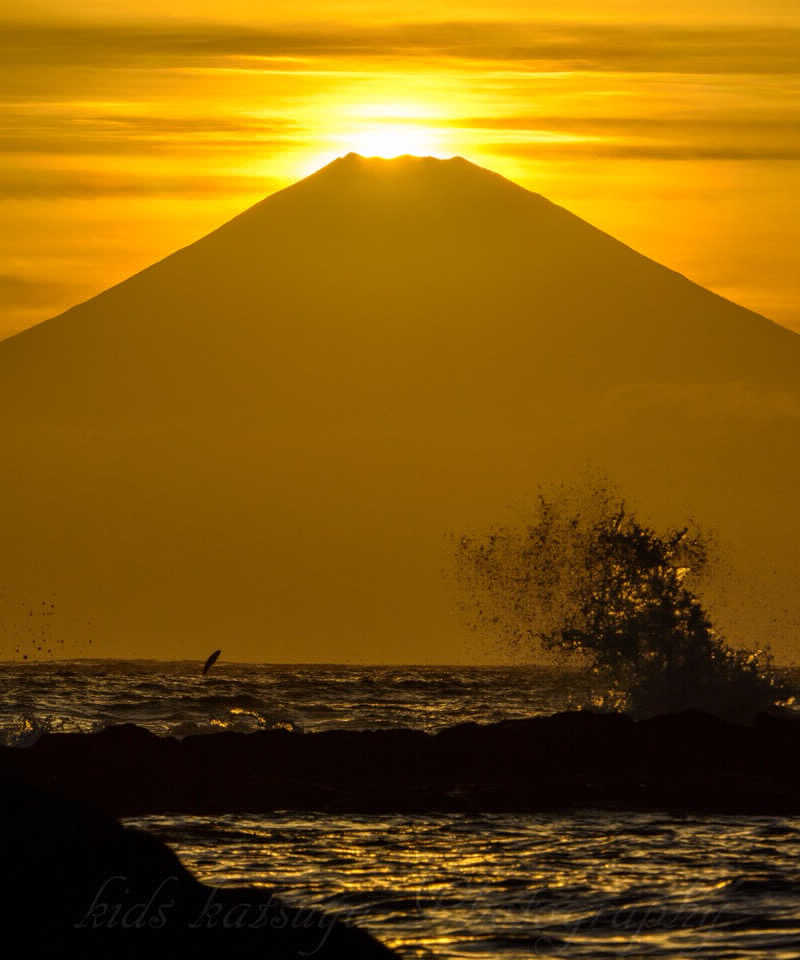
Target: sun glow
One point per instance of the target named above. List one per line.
(394, 140)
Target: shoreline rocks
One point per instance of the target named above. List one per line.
(687, 762)
(76, 883)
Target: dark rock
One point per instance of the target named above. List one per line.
(76, 883)
(691, 761)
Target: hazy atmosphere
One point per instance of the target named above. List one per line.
(275, 436)
(273, 439)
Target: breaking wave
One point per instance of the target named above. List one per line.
(585, 578)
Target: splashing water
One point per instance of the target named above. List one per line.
(588, 579)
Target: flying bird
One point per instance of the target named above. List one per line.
(211, 661)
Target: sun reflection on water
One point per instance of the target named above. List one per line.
(483, 886)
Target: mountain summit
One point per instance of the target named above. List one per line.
(268, 433)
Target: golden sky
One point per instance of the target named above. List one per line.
(127, 131)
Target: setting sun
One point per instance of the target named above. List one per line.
(390, 140)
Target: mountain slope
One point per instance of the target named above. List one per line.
(268, 433)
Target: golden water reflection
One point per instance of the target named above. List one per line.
(481, 886)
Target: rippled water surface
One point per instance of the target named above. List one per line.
(452, 886)
(592, 885)
(174, 698)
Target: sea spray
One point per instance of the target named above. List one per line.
(585, 577)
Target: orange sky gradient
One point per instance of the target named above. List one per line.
(128, 133)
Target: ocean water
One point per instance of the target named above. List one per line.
(175, 699)
(589, 884)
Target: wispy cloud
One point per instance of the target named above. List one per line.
(582, 47)
(657, 151)
(22, 291)
(47, 183)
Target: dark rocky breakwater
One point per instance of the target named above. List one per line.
(690, 761)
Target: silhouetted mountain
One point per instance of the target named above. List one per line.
(268, 433)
